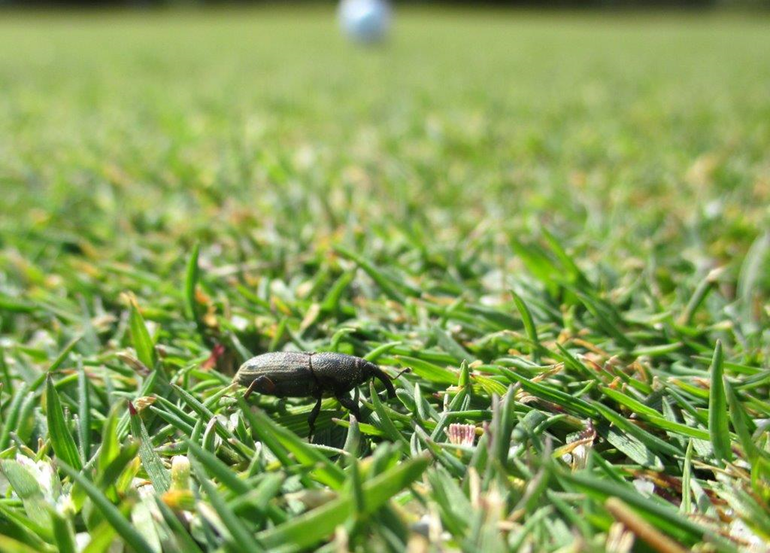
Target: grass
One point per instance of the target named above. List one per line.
(558, 221)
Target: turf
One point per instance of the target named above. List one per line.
(558, 221)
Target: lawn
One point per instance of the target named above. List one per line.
(558, 221)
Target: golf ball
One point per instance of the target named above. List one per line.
(365, 20)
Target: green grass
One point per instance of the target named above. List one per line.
(558, 221)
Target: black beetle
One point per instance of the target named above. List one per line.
(310, 374)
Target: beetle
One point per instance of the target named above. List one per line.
(310, 374)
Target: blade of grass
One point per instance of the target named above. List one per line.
(450, 345)
(84, 414)
(112, 471)
(649, 440)
(640, 527)
(216, 467)
(109, 511)
(386, 424)
(27, 488)
(308, 529)
(572, 404)
(151, 462)
(663, 517)
(63, 533)
(61, 439)
(324, 470)
(750, 277)
(110, 446)
(242, 539)
(185, 542)
(10, 545)
(718, 416)
(685, 506)
(12, 416)
(190, 282)
(529, 325)
(742, 424)
(653, 416)
(701, 291)
(428, 371)
(143, 344)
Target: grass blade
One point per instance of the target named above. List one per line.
(386, 423)
(185, 542)
(276, 436)
(10, 545)
(640, 527)
(190, 282)
(572, 404)
(529, 325)
(12, 416)
(27, 488)
(719, 429)
(427, 370)
(109, 511)
(242, 539)
(63, 533)
(742, 424)
(649, 440)
(151, 462)
(214, 466)
(308, 529)
(61, 439)
(143, 344)
(84, 414)
(110, 446)
(60, 359)
(661, 516)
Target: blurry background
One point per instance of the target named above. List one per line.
(128, 135)
(479, 5)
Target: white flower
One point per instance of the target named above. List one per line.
(45, 476)
(461, 434)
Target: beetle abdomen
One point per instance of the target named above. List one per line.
(337, 371)
(285, 374)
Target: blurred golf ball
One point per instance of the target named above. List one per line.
(365, 21)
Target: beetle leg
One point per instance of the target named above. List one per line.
(263, 381)
(313, 416)
(350, 405)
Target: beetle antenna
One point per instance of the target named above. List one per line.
(406, 370)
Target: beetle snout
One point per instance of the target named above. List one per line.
(380, 375)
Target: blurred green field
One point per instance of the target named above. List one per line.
(515, 117)
(245, 181)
